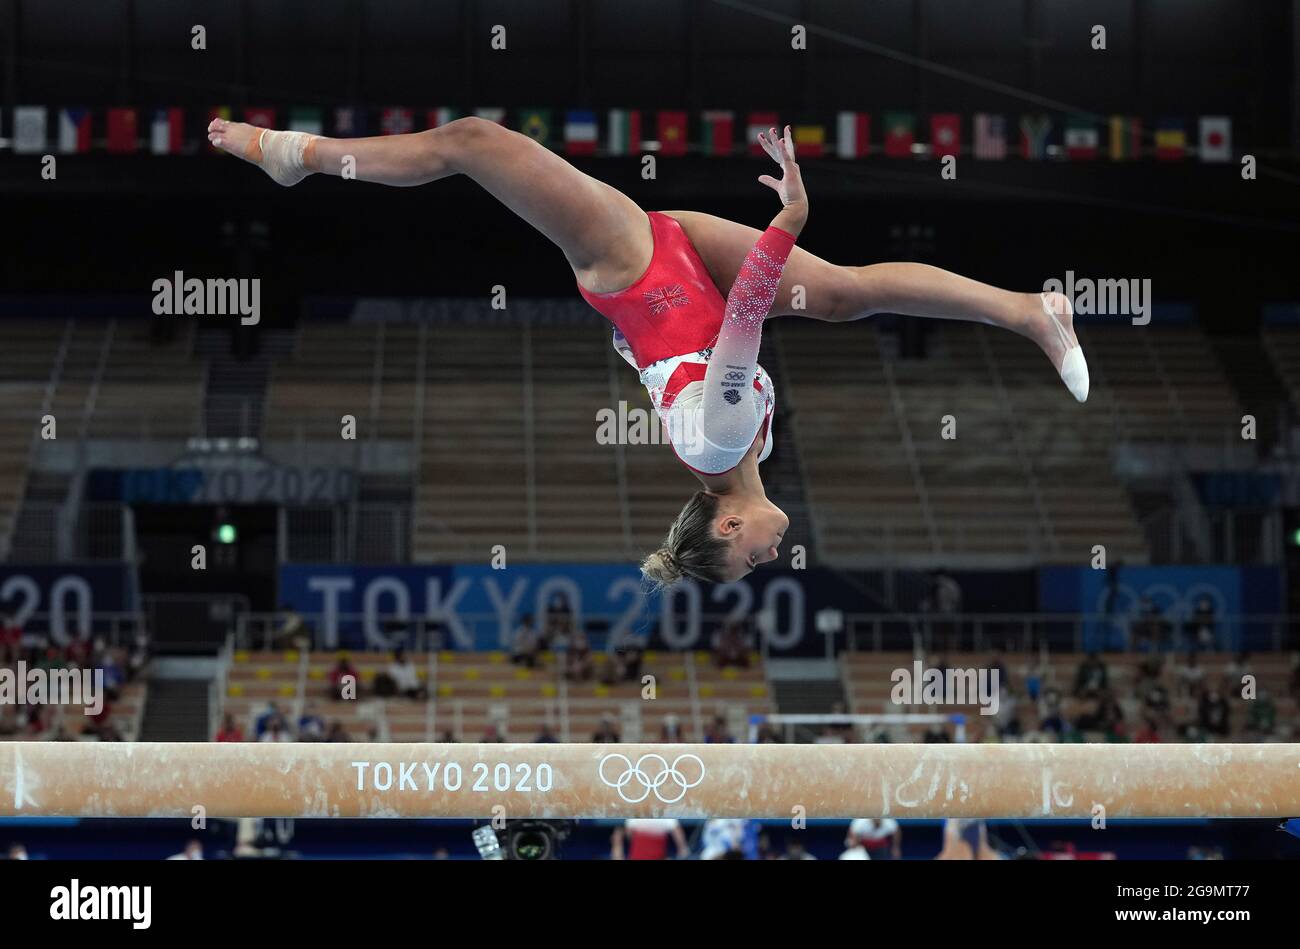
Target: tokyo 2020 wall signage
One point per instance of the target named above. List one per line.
(477, 607)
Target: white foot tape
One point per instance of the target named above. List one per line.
(282, 155)
(1074, 368)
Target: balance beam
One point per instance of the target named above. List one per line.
(162, 779)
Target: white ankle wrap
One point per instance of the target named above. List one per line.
(282, 155)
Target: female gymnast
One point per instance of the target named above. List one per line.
(660, 277)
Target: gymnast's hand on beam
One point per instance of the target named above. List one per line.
(794, 200)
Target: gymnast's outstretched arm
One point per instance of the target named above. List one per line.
(724, 423)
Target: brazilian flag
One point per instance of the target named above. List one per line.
(536, 124)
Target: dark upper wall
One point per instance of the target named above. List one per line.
(1176, 56)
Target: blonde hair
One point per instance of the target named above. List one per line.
(690, 547)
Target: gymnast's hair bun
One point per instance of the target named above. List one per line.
(661, 568)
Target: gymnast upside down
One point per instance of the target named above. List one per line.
(661, 277)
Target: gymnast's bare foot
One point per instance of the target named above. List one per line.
(285, 156)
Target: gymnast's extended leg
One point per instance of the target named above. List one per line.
(839, 294)
(604, 235)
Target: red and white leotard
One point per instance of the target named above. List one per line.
(696, 353)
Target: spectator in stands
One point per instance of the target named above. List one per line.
(492, 733)
(795, 850)
(1006, 721)
(230, 730)
(1190, 676)
(882, 839)
(138, 657)
(1238, 669)
(114, 677)
(1091, 678)
(716, 733)
(1038, 678)
(337, 732)
(843, 731)
(1090, 716)
(936, 733)
(546, 736)
(624, 663)
(768, 735)
(406, 678)
(1212, 713)
(1113, 717)
(723, 839)
(11, 639)
(262, 721)
(292, 631)
(1050, 719)
(1148, 733)
(943, 604)
(606, 732)
(1294, 684)
(1261, 717)
(1150, 629)
(1156, 701)
(1202, 629)
(1150, 672)
(647, 839)
(998, 664)
(559, 621)
(193, 851)
(276, 731)
(527, 644)
(671, 730)
(52, 659)
(730, 647)
(101, 723)
(17, 852)
(311, 726)
(9, 720)
(78, 653)
(579, 663)
(345, 680)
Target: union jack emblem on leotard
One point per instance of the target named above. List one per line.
(661, 298)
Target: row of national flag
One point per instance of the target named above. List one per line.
(992, 137)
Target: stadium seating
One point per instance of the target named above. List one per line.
(473, 693)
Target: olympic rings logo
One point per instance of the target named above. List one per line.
(647, 784)
(735, 375)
